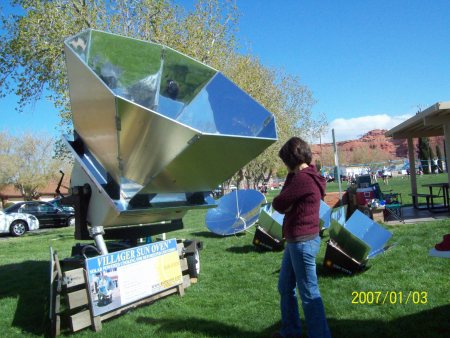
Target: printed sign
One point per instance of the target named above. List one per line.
(123, 277)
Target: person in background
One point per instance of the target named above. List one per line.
(385, 176)
(299, 200)
(373, 176)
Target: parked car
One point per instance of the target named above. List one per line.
(47, 214)
(57, 203)
(17, 223)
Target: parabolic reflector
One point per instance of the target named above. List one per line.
(155, 130)
(235, 212)
(150, 115)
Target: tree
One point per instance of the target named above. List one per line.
(318, 165)
(31, 165)
(424, 154)
(365, 153)
(7, 166)
(284, 96)
(328, 156)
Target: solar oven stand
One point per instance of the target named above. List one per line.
(79, 200)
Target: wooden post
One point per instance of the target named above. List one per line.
(447, 149)
(412, 168)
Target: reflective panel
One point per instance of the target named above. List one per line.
(113, 212)
(368, 231)
(348, 242)
(360, 237)
(339, 214)
(149, 115)
(227, 110)
(324, 215)
(271, 221)
(236, 212)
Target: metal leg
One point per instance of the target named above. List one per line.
(97, 234)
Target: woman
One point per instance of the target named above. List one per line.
(299, 200)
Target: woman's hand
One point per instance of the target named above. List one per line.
(286, 211)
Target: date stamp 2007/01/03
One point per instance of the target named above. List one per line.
(389, 297)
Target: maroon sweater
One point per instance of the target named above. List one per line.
(302, 190)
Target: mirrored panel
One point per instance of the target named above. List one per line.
(349, 243)
(150, 115)
(324, 215)
(227, 110)
(339, 214)
(271, 221)
(236, 212)
(369, 231)
(80, 44)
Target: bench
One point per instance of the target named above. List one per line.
(428, 197)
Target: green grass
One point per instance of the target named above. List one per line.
(236, 295)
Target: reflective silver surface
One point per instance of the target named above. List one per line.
(158, 121)
(235, 212)
(359, 236)
(324, 215)
(368, 231)
(348, 242)
(108, 212)
(271, 221)
(339, 214)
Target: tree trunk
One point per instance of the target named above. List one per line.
(239, 178)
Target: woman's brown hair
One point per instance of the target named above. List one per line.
(294, 152)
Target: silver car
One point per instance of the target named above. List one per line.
(17, 223)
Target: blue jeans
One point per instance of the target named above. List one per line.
(298, 268)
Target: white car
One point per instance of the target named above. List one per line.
(17, 223)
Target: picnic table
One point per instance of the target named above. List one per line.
(441, 193)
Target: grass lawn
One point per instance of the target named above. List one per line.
(236, 295)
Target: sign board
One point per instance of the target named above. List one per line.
(126, 276)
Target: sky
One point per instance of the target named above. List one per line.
(369, 64)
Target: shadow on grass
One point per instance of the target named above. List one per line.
(205, 234)
(249, 249)
(208, 234)
(198, 326)
(430, 323)
(243, 249)
(28, 282)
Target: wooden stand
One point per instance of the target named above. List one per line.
(69, 296)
